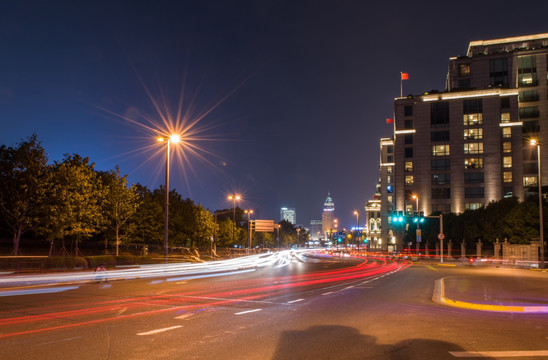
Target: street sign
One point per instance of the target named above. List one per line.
(264, 225)
(419, 233)
(441, 236)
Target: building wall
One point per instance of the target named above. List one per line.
(422, 147)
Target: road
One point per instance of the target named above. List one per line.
(294, 308)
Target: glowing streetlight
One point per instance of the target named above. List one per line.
(534, 142)
(233, 197)
(173, 138)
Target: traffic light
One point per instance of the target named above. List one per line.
(421, 216)
(400, 216)
(415, 217)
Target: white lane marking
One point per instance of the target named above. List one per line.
(327, 293)
(152, 332)
(348, 287)
(294, 301)
(56, 341)
(497, 354)
(247, 312)
(123, 310)
(184, 316)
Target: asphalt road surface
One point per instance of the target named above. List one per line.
(301, 307)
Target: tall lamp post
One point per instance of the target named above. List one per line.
(174, 138)
(357, 213)
(233, 198)
(278, 226)
(249, 212)
(416, 198)
(535, 142)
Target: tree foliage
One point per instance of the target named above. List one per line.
(23, 180)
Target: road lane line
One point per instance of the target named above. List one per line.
(497, 354)
(327, 293)
(152, 332)
(294, 301)
(61, 340)
(247, 312)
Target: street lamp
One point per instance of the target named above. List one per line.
(534, 142)
(173, 138)
(416, 197)
(278, 226)
(357, 213)
(249, 212)
(233, 198)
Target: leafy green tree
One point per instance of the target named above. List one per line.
(73, 208)
(521, 224)
(224, 232)
(23, 181)
(148, 220)
(119, 203)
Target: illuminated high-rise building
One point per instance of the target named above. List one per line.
(328, 217)
(289, 215)
(464, 147)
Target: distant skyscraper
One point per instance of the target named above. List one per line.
(288, 215)
(328, 217)
(315, 229)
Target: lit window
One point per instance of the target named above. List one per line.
(440, 150)
(408, 166)
(507, 162)
(505, 117)
(472, 206)
(408, 179)
(464, 69)
(506, 132)
(473, 148)
(473, 134)
(507, 175)
(389, 169)
(507, 147)
(473, 163)
(530, 181)
(473, 119)
(389, 179)
(389, 199)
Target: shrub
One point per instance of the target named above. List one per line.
(95, 261)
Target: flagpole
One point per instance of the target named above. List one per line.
(401, 84)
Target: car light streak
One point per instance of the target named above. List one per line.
(228, 292)
(37, 291)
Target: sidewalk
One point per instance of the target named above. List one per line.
(522, 292)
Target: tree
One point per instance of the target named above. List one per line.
(23, 181)
(148, 219)
(73, 208)
(119, 202)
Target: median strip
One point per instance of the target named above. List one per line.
(497, 354)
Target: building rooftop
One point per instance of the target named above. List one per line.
(516, 43)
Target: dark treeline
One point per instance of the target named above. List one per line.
(68, 203)
(510, 219)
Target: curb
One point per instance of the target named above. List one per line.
(439, 298)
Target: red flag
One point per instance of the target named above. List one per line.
(404, 76)
(389, 121)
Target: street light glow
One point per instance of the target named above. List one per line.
(175, 138)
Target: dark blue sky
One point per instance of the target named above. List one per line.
(294, 93)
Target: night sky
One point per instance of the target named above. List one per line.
(286, 100)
